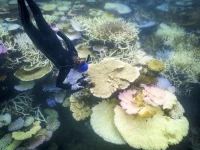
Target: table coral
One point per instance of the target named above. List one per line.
(156, 133)
(109, 75)
(102, 121)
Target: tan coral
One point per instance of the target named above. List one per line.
(109, 75)
(49, 7)
(156, 65)
(83, 50)
(36, 73)
(79, 109)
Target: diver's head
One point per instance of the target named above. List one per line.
(80, 64)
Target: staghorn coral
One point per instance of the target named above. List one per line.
(109, 75)
(108, 29)
(30, 54)
(185, 61)
(22, 105)
(170, 34)
(79, 108)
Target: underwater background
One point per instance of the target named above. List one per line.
(145, 65)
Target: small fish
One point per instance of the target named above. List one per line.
(51, 102)
(99, 48)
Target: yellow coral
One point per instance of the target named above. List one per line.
(155, 65)
(19, 135)
(49, 7)
(155, 133)
(79, 109)
(13, 145)
(109, 75)
(36, 73)
(102, 121)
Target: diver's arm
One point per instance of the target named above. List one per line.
(68, 42)
(63, 72)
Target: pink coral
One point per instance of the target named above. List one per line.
(35, 142)
(128, 101)
(154, 95)
(3, 49)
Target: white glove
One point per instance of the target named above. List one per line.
(76, 86)
(87, 79)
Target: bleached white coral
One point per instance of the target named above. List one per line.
(108, 29)
(30, 54)
(169, 33)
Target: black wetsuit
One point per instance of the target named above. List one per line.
(47, 41)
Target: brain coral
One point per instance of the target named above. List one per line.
(111, 74)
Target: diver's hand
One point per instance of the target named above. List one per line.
(87, 79)
(76, 86)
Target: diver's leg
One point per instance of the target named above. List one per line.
(29, 28)
(40, 21)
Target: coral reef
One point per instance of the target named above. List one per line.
(111, 74)
(108, 29)
(80, 110)
(20, 135)
(155, 65)
(155, 133)
(102, 122)
(170, 34)
(36, 73)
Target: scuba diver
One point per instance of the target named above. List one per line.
(46, 40)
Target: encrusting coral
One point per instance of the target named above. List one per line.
(111, 74)
(155, 65)
(19, 135)
(80, 110)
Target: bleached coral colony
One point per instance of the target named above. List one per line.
(132, 98)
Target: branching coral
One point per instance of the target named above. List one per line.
(183, 66)
(30, 54)
(170, 34)
(108, 29)
(22, 105)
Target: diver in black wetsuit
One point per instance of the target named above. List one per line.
(48, 43)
